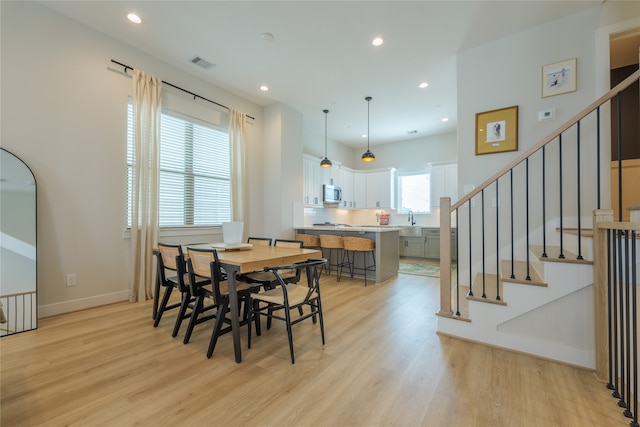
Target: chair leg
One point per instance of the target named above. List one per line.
(270, 312)
(256, 318)
(319, 306)
(287, 316)
(364, 264)
(156, 295)
(197, 306)
(186, 298)
(217, 327)
(163, 305)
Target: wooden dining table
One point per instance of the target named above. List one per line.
(244, 261)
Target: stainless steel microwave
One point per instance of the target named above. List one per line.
(331, 195)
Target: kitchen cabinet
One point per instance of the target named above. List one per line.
(412, 247)
(380, 189)
(359, 190)
(444, 183)
(313, 176)
(331, 176)
(432, 243)
(346, 182)
(427, 246)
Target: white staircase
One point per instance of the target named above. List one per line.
(549, 316)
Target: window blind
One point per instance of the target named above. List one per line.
(195, 187)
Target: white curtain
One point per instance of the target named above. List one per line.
(237, 137)
(146, 172)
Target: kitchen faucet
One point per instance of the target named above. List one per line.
(410, 218)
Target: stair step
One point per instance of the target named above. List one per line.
(520, 273)
(584, 232)
(553, 252)
(490, 281)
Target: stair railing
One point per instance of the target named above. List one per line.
(615, 256)
(571, 130)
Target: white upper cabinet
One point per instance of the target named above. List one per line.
(380, 189)
(346, 182)
(313, 177)
(444, 183)
(359, 190)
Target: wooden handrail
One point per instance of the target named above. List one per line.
(588, 110)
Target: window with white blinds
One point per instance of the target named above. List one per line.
(195, 187)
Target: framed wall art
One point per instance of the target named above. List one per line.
(559, 78)
(497, 131)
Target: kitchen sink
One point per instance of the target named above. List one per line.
(410, 231)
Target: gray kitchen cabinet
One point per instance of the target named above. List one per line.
(432, 243)
(412, 247)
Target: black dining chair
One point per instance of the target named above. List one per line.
(212, 300)
(278, 302)
(266, 278)
(260, 241)
(171, 274)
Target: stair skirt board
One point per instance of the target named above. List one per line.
(528, 321)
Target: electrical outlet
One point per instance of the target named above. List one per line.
(71, 280)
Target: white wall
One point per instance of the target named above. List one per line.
(64, 113)
(497, 75)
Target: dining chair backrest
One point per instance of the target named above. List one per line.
(205, 263)
(283, 243)
(169, 252)
(263, 241)
(312, 268)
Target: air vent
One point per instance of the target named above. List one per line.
(202, 63)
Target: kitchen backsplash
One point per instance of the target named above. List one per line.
(365, 217)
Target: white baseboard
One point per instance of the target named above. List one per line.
(82, 303)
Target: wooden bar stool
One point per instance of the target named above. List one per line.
(333, 244)
(309, 241)
(353, 245)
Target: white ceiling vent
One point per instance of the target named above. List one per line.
(202, 63)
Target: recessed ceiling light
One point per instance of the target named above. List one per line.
(364, 135)
(264, 88)
(445, 119)
(268, 37)
(423, 85)
(134, 18)
(377, 41)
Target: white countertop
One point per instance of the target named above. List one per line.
(366, 228)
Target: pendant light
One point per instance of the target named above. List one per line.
(368, 155)
(325, 163)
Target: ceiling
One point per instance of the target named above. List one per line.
(321, 56)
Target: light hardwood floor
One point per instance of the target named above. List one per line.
(383, 364)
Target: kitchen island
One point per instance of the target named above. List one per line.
(386, 238)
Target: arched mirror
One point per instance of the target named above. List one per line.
(18, 260)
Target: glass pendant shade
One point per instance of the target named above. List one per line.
(325, 163)
(368, 155)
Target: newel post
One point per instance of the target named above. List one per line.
(600, 302)
(445, 256)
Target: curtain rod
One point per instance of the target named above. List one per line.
(195, 95)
